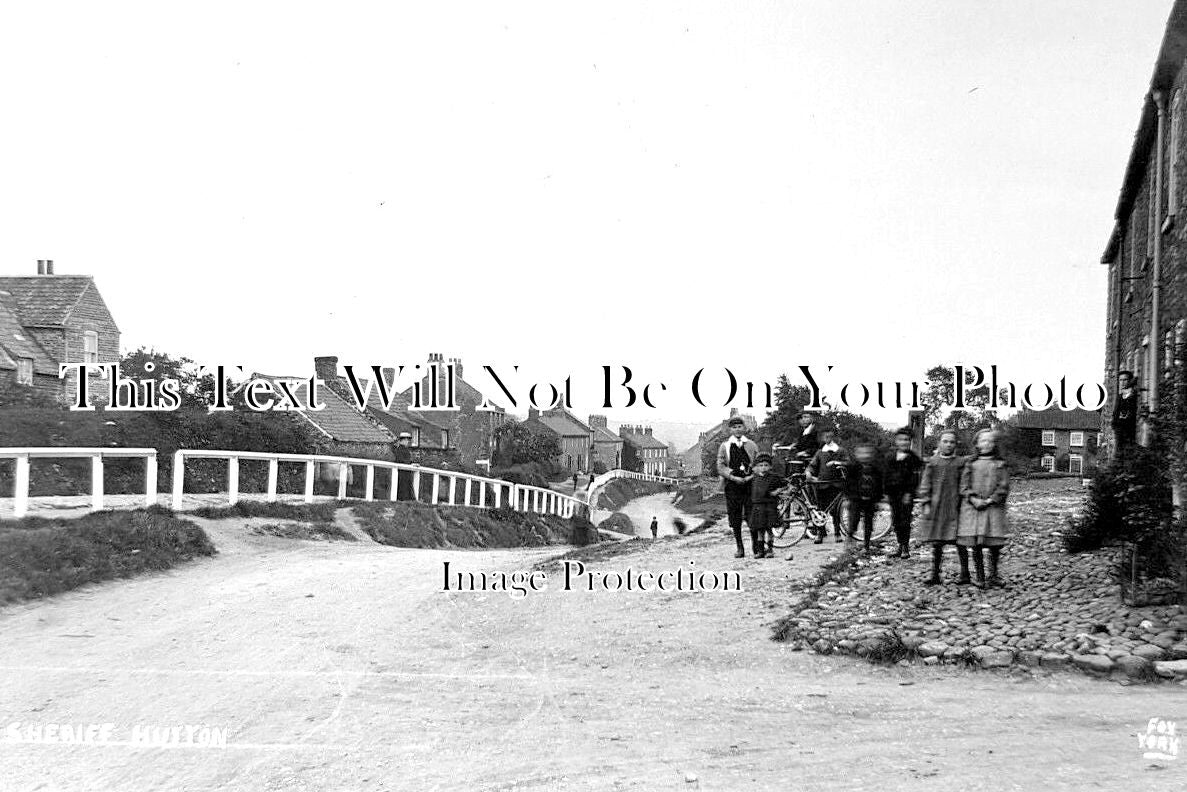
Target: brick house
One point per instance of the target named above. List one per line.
(607, 446)
(471, 431)
(575, 436)
(1067, 439)
(1146, 252)
(652, 452)
(47, 320)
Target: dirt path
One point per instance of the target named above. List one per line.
(344, 667)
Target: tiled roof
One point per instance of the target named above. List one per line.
(45, 300)
(15, 341)
(562, 425)
(576, 425)
(1055, 418)
(603, 435)
(431, 435)
(340, 420)
(644, 441)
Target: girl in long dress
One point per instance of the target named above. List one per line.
(984, 486)
(939, 492)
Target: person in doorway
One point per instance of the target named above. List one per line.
(735, 459)
(575, 474)
(1125, 411)
(402, 454)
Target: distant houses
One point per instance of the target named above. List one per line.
(47, 320)
(649, 450)
(576, 437)
(1063, 441)
(607, 445)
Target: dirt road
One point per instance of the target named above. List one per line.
(345, 667)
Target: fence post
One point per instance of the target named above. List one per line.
(97, 482)
(20, 505)
(416, 484)
(178, 479)
(452, 490)
(150, 480)
(309, 481)
(343, 474)
(370, 491)
(391, 495)
(273, 471)
(436, 487)
(233, 480)
(499, 495)
(469, 489)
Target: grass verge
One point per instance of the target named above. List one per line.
(419, 525)
(321, 513)
(42, 556)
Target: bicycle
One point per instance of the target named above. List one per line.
(801, 515)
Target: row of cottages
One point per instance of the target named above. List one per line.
(1146, 252)
(372, 432)
(692, 460)
(650, 451)
(46, 321)
(1060, 441)
(575, 436)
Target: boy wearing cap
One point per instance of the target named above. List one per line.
(735, 458)
(827, 472)
(764, 506)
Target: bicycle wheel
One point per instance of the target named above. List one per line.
(882, 523)
(793, 522)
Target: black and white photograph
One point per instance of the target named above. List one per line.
(751, 395)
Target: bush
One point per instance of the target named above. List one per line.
(1129, 501)
(599, 467)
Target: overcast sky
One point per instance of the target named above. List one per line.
(755, 185)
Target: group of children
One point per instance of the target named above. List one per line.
(963, 499)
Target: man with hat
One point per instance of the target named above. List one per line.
(735, 458)
(402, 454)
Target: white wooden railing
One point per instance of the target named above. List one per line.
(96, 455)
(520, 497)
(618, 473)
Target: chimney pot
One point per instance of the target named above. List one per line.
(49, 266)
(326, 368)
(40, 266)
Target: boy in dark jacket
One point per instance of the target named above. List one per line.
(864, 486)
(902, 479)
(764, 506)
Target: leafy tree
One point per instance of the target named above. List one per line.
(517, 444)
(939, 415)
(196, 389)
(782, 423)
(631, 459)
(853, 429)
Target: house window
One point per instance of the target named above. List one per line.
(1076, 440)
(1048, 437)
(1048, 463)
(90, 348)
(24, 371)
(1075, 464)
(1172, 195)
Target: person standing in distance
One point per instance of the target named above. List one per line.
(402, 454)
(735, 458)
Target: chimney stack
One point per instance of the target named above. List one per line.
(49, 266)
(326, 368)
(533, 413)
(457, 367)
(596, 421)
(647, 431)
(733, 411)
(40, 266)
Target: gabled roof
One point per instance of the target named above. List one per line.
(340, 420)
(15, 341)
(1054, 418)
(563, 424)
(644, 440)
(398, 422)
(1170, 58)
(46, 300)
(604, 435)
(577, 426)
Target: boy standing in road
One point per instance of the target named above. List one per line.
(827, 472)
(764, 506)
(735, 458)
(902, 479)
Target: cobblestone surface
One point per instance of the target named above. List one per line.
(1057, 611)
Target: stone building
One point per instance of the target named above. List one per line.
(607, 446)
(47, 320)
(576, 437)
(1066, 440)
(1146, 252)
(471, 431)
(651, 451)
